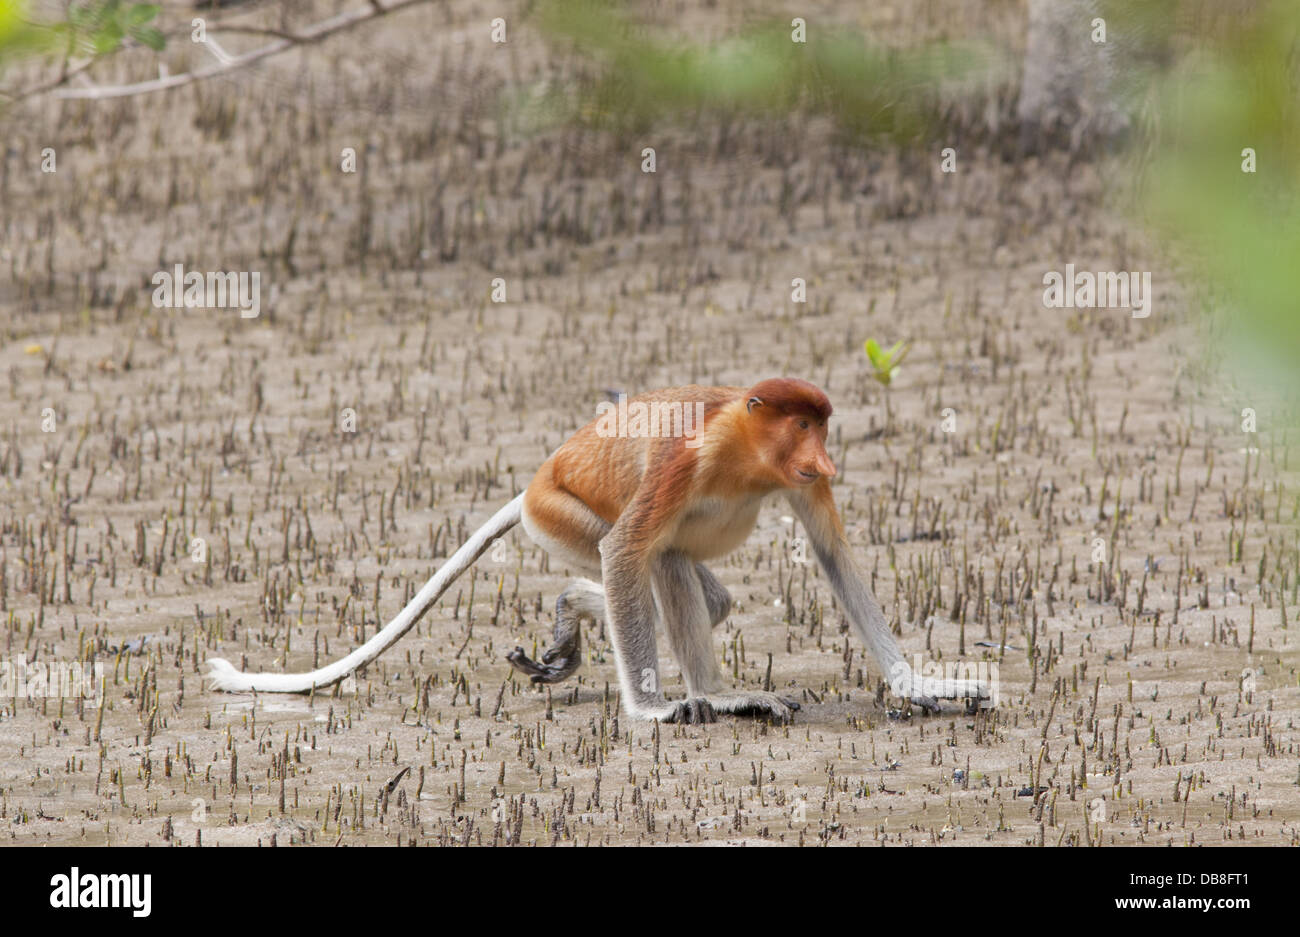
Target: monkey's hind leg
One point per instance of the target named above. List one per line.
(693, 603)
(582, 599)
(716, 596)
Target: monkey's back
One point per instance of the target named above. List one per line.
(604, 471)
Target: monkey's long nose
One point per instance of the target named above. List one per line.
(825, 466)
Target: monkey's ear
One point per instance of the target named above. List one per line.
(753, 402)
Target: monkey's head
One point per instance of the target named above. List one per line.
(790, 418)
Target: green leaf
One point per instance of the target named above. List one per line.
(108, 38)
(149, 36)
(83, 16)
(873, 352)
(886, 363)
(140, 13)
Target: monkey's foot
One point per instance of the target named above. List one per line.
(556, 665)
(702, 709)
(698, 710)
(755, 703)
(695, 711)
(972, 692)
(927, 704)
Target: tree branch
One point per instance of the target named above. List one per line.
(66, 73)
(311, 34)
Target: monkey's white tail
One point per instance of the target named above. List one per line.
(225, 677)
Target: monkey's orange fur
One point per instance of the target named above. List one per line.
(748, 451)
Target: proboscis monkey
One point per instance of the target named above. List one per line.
(642, 514)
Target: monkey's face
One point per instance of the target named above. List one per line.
(806, 459)
(790, 428)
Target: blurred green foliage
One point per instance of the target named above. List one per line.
(99, 26)
(644, 76)
(92, 27)
(17, 35)
(1238, 91)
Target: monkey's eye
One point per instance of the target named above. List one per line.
(803, 424)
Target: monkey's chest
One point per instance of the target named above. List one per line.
(715, 526)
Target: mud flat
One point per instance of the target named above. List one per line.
(1090, 517)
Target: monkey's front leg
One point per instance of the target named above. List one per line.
(815, 508)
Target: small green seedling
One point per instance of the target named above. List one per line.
(886, 363)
